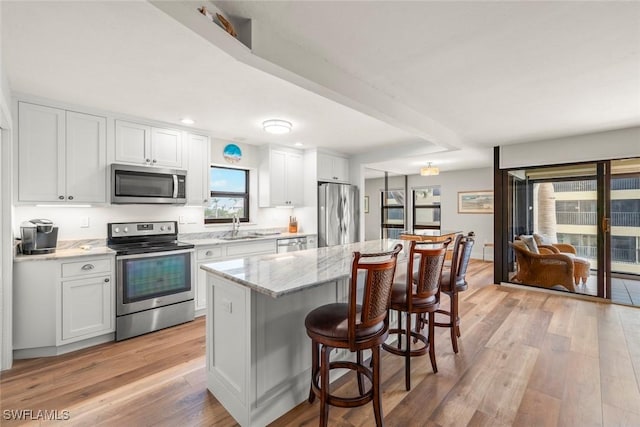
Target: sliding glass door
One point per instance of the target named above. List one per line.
(575, 228)
(625, 232)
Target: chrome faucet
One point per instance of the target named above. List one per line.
(236, 225)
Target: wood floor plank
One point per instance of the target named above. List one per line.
(550, 372)
(537, 409)
(582, 401)
(526, 359)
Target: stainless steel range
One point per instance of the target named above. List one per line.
(154, 277)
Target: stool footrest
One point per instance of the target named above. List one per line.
(345, 402)
(402, 351)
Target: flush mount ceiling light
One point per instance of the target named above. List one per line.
(187, 121)
(429, 170)
(277, 127)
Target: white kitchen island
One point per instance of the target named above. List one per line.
(258, 354)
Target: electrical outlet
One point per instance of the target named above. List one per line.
(181, 219)
(84, 222)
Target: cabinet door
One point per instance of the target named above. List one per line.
(41, 154)
(325, 167)
(295, 179)
(198, 167)
(200, 299)
(341, 169)
(166, 148)
(133, 143)
(278, 178)
(87, 307)
(86, 158)
(332, 168)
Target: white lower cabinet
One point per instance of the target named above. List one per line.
(214, 253)
(58, 304)
(87, 307)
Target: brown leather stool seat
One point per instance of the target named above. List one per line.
(332, 321)
(355, 327)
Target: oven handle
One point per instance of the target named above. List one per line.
(154, 254)
(175, 186)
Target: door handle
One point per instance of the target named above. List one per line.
(606, 225)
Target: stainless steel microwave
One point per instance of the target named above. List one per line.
(147, 185)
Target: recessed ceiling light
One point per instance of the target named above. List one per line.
(187, 121)
(277, 127)
(298, 144)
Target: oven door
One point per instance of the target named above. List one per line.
(150, 280)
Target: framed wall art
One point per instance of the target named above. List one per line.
(475, 202)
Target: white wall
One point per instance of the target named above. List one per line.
(615, 144)
(450, 184)
(6, 253)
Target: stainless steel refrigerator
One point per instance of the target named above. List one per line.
(338, 214)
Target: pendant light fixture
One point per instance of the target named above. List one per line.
(429, 170)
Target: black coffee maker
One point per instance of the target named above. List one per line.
(39, 236)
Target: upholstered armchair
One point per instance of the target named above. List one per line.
(546, 269)
(581, 266)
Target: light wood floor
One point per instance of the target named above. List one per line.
(526, 358)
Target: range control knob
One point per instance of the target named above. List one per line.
(162, 228)
(168, 228)
(116, 230)
(126, 229)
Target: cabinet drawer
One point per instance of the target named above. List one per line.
(265, 247)
(91, 266)
(210, 253)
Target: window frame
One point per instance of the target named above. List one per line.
(391, 228)
(436, 208)
(244, 195)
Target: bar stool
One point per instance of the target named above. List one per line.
(355, 327)
(453, 281)
(418, 294)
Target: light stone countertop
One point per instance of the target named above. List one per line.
(66, 253)
(72, 249)
(218, 241)
(280, 274)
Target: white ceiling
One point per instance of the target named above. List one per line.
(454, 77)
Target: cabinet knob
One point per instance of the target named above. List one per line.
(155, 161)
(70, 197)
(61, 197)
(208, 253)
(147, 160)
(88, 267)
(106, 280)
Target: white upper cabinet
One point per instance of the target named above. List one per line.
(198, 169)
(332, 168)
(86, 158)
(133, 141)
(166, 147)
(280, 178)
(146, 145)
(61, 155)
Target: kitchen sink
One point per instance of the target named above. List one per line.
(247, 236)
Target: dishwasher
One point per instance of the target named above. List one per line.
(291, 244)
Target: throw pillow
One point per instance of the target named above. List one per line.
(541, 239)
(531, 244)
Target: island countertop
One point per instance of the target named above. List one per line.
(280, 274)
